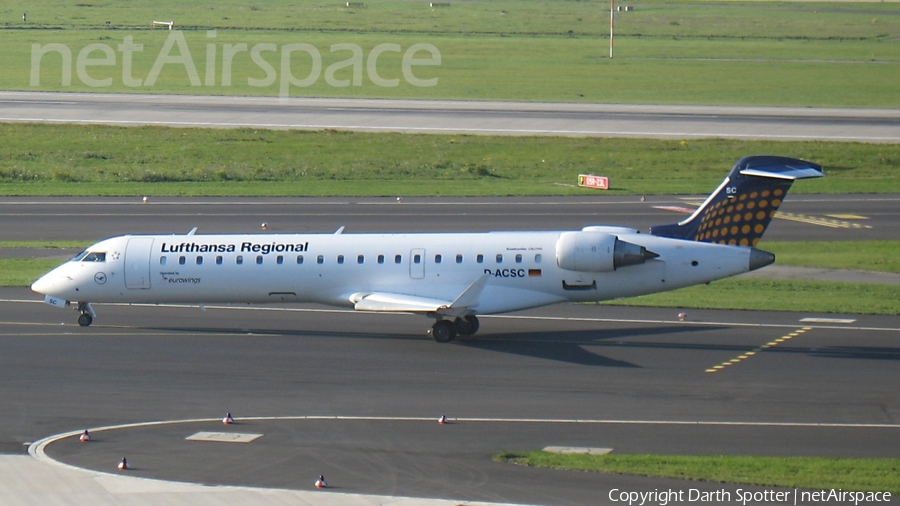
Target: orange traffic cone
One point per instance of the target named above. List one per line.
(442, 420)
(84, 438)
(123, 465)
(320, 483)
(228, 420)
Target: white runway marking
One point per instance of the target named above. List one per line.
(37, 449)
(223, 437)
(510, 131)
(827, 320)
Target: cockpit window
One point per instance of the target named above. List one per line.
(79, 256)
(94, 257)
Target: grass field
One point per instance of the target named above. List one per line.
(791, 54)
(879, 256)
(851, 20)
(810, 473)
(758, 294)
(101, 160)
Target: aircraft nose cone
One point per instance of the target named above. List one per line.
(760, 258)
(42, 286)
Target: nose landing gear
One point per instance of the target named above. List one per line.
(87, 314)
(85, 319)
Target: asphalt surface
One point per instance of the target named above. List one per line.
(423, 116)
(802, 217)
(620, 367)
(636, 378)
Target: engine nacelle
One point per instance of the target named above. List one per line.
(597, 252)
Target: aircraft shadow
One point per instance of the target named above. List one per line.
(570, 346)
(563, 346)
(855, 352)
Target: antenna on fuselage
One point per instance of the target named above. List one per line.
(339, 231)
(192, 231)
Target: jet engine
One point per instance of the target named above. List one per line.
(598, 252)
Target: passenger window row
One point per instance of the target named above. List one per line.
(360, 259)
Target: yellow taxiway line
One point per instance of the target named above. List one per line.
(770, 344)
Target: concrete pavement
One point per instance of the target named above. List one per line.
(28, 481)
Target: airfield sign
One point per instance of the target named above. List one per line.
(590, 181)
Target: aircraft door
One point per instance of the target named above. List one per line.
(417, 263)
(137, 262)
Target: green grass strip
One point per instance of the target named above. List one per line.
(44, 244)
(104, 160)
(813, 473)
(24, 271)
(858, 255)
(778, 295)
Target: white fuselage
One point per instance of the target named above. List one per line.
(524, 268)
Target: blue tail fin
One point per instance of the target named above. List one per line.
(741, 208)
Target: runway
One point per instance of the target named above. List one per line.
(356, 396)
(490, 118)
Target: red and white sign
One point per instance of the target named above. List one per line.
(589, 181)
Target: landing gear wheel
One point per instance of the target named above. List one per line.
(85, 319)
(467, 325)
(443, 331)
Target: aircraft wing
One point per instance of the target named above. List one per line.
(381, 301)
(386, 301)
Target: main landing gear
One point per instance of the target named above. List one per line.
(87, 314)
(444, 331)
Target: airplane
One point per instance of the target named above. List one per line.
(451, 278)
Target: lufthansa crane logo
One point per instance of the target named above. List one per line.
(100, 278)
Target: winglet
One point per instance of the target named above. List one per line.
(470, 296)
